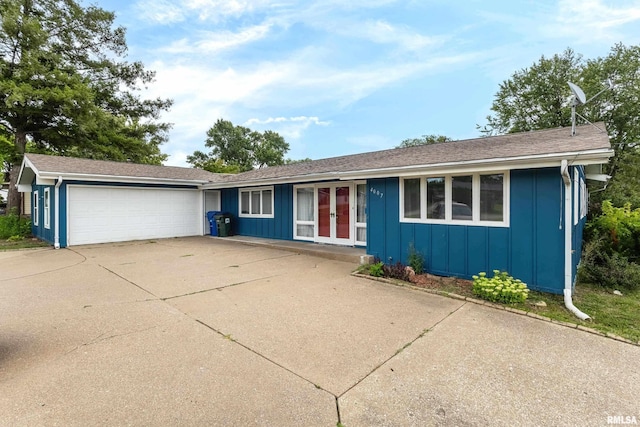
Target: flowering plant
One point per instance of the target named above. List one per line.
(500, 288)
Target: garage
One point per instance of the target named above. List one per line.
(98, 214)
(79, 201)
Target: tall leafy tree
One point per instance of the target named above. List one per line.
(66, 89)
(424, 140)
(238, 148)
(537, 98)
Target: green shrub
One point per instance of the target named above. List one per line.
(415, 260)
(13, 225)
(500, 288)
(618, 230)
(377, 269)
(609, 269)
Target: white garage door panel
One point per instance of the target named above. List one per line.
(116, 214)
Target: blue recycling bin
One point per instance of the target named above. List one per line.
(213, 227)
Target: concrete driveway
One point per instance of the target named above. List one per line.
(200, 331)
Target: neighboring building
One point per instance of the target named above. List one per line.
(514, 202)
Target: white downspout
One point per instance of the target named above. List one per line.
(56, 215)
(564, 171)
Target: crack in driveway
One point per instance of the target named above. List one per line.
(100, 338)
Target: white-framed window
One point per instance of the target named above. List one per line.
(36, 208)
(576, 192)
(466, 199)
(305, 208)
(584, 198)
(256, 202)
(47, 209)
(361, 213)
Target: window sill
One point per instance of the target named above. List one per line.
(501, 224)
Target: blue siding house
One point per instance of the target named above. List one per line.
(514, 202)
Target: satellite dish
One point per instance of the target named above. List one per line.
(579, 98)
(578, 93)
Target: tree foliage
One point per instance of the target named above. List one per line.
(424, 140)
(537, 98)
(294, 161)
(65, 88)
(239, 149)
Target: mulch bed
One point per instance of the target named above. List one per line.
(445, 284)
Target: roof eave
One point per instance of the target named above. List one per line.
(118, 178)
(599, 156)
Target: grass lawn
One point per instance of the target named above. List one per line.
(610, 313)
(619, 315)
(8, 245)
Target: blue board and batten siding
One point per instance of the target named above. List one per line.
(278, 227)
(531, 248)
(40, 231)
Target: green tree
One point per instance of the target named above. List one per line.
(237, 147)
(65, 88)
(425, 140)
(201, 160)
(292, 161)
(537, 98)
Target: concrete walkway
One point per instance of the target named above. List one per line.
(202, 331)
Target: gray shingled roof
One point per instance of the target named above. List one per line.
(549, 141)
(74, 165)
(544, 142)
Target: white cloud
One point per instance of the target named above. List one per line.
(165, 12)
(593, 15)
(300, 119)
(592, 21)
(383, 32)
(289, 127)
(160, 11)
(209, 42)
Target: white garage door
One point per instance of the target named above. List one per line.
(116, 214)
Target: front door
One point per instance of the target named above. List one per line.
(334, 214)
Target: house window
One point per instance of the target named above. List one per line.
(584, 199)
(361, 213)
(36, 208)
(437, 208)
(475, 199)
(492, 197)
(462, 198)
(47, 204)
(412, 198)
(305, 208)
(576, 185)
(256, 202)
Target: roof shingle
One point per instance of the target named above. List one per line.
(516, 145)
(74, 165)
(548, 141)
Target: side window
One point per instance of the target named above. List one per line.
(36, 208)
(47, 209)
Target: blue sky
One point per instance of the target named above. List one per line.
(339, 77)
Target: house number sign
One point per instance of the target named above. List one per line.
(377, 192)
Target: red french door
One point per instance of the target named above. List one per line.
(334, 214)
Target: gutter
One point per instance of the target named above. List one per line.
(568, 302)
(56, 233)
